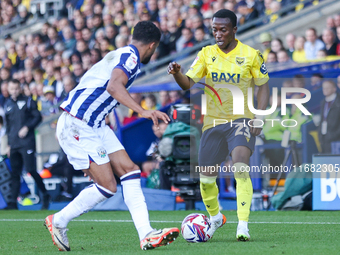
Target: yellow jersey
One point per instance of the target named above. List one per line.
(242, 67)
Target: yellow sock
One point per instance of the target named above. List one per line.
(244, 191)
(209, 192)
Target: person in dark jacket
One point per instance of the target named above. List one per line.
(22, 116)
(329, 130)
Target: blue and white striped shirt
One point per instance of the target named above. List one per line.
(90, 101)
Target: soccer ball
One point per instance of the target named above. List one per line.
(194, 228)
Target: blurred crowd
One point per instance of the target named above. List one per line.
(311, 46)
(50, 63)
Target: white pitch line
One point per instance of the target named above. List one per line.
(172, 221)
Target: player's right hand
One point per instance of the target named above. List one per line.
(154, 115)
(173, 68)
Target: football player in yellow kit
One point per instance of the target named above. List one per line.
(228, 62)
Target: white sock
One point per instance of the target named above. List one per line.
(85, 201)
(242, 224)
(135, 201)
(216, 217)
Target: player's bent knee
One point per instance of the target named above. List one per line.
(130, 168)
(111, 186)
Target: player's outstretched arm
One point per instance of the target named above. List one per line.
(182, 80)
(262, 103)
(116, 88)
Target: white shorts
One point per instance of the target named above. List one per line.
(83, 144)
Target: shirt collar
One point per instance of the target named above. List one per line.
(136, 50)
(331, 98)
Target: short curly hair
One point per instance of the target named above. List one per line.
(226, 14)
(146, 32)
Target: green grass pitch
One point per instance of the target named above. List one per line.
(22, 232)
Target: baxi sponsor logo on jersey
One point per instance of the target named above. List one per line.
(238, 102)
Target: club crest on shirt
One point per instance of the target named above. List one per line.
(101, 152)
(240, 61)
(260, 54)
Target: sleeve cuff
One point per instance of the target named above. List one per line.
(261, 81)
(123, 69)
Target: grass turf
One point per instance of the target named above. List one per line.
(309, 234)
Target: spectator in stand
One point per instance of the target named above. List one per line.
(316, 81)
(276, 45)
(23, 14)
(21, 56)
(111, 33)
(69, 40)
(79, 23)
(50, 79)
(275, 7)
(28, 76)
(337, 20)
(125, 30)
(5, 74)
(145, 16)
(187, 38)
(69, 84)
(328, 37)
(86, 59)
(328, 129)
(197, 22)
(82, 46)
(121, 41)
(265, 39)
(282, 57)
(151, 102)
(290, 42)
(49, 103)
(59, 86)
(272, 57)
(78, 71)
(246, 14)
(95, 56)
(313, 44)
(164, 98)
(321, 54)
(299, 81)
(4, 93)
(53, 36)
(169, 39)
(299, 54)
(153, 9)
(175, 96)
(28, 64)
(200, 36)
(330, 24)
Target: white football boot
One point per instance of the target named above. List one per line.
(59, 236)
(215, 224)
(242, 233)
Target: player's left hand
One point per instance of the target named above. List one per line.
(154, 115)
(23, 132)
(255, 131)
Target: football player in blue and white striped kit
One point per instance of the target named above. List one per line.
(92, 147)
